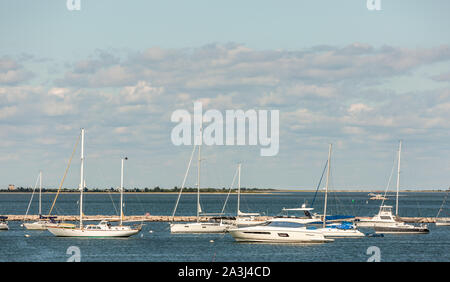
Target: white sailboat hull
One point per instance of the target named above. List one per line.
(277, 235)
(335, 233)
(442, 222)
(4, 226)
(39, 225)
(35, 226)
(199, 227)
(77, 232)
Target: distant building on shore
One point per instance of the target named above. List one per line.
(11, 187)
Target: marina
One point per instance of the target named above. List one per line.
(156, 243)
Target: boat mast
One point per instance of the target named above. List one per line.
(398, 177)
(326, 188)
(239, 189)
(198, 183)
(40, 192)
(121, 192)
(82, 178)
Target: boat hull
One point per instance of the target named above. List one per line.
(373, 223)
(77, 232)
(39, 225)
(199, 227)
(407, 229)
(277, 236)
(442, 222)
(4, 226)
(340, 233)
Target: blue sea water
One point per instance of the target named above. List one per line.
(156, 244)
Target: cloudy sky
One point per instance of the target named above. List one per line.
(336, 71)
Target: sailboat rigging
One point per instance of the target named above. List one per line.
(198, 226)
(385, 222)
(104, 228)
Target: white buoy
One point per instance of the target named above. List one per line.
(151, 231)
(211, 241)
(26, 235)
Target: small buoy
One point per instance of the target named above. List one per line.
(211, 241)
(151, 231)
(26, 235)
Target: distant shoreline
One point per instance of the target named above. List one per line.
(261, 192)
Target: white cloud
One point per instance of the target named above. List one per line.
(358, 108)
(7, 112)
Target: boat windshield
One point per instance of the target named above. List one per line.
(284, 224)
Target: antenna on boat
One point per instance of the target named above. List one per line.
(82, 178)
(326, 188)
(398, 177)
(121, 191)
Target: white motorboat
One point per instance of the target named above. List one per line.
(377, 197)
(198, 226)
(279, 231)
(386, 222)
(401, 228)
(4, 223)
(104, 228)
(384, 217)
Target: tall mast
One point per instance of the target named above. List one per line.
(82, 178)
(121, 192)
(326, 188)
(398, 177)
(198, 183)
(40, 192)
(239, 189)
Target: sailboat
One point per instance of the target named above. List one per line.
(198, 226)
(391, 225)
(441, 221)
(343, 229)
(104, 228)
(313, 218)
(43, 222)
(244, 219)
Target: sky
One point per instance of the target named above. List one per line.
(336, 71)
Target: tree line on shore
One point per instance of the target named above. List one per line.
(137, 190)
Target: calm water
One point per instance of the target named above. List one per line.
(155, 243)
